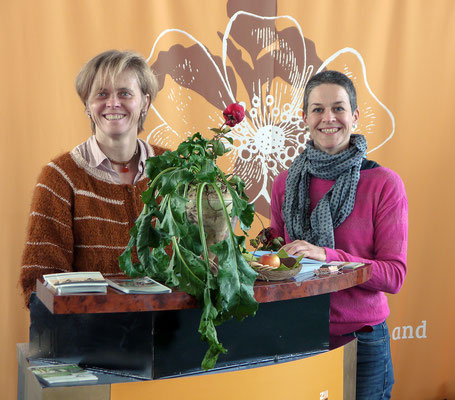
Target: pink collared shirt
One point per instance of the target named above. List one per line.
(91, 152)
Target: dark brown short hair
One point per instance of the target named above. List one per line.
(333, 77)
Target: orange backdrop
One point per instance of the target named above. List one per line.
(400, 54)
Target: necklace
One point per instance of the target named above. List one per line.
(124, 164)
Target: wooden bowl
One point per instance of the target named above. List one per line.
(267, 274)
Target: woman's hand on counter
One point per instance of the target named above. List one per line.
(299, 247)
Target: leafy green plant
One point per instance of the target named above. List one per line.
(172, 249)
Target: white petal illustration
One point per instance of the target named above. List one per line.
(376, 121)
(264, 65)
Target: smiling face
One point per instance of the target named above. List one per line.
(330, 118)
(115, 107)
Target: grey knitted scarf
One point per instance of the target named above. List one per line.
(336, 205)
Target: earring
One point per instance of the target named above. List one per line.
(354, 127)
(144, 113)
(88, 114)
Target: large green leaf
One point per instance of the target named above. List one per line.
(207, 172)
(195, 144)
(218, 148)
(126, 264)
(148, 195)
(178, 205)
(192, 241)
(242, 209)
(161, 269)
(240, 206)
(147, 237)
(186, 149)
(171, 180)
(170, 225)
(192, 271)
(239, 186)
(208, 332)
(155, 165)
(235, 278)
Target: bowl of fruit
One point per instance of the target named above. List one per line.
(269, 260)
(274, 266)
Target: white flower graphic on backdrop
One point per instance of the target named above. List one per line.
(264, 65)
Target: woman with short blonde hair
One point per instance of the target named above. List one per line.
(107, 66)
(87, 200)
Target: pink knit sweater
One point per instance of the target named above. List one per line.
(375, 232)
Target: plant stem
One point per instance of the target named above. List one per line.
(218, 136)
(200, 219)
(226, 215)
(154, 182)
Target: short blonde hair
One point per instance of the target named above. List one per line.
(108, 65)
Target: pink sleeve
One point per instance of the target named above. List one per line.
(390, 242)
(276, 204)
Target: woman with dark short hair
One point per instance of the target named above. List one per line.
(335, 205)
(87, 200)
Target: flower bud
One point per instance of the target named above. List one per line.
(233, 114)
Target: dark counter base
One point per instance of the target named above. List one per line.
(157, 344)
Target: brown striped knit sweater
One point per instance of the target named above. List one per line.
(79, 220)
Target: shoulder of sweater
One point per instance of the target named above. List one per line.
(281, 178)
(72, 167)
(151, 150)
(157, 150)
(279, 184)
(380, 172)
(62, 159)
(59, 166)
(382, 177)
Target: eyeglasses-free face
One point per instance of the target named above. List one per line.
(330, 118)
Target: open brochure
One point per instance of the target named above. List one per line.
(138, 285)
(76, 282)
(60, 374)
(336, 266)
(343, 264)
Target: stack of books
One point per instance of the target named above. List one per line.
(76, 282)
(62, 374)
(138, 285)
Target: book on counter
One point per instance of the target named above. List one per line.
(352, 265)
(138, 285)
(76, 282)
(335, 266)
(61, 374)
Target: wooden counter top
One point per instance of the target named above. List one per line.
(264, 292)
